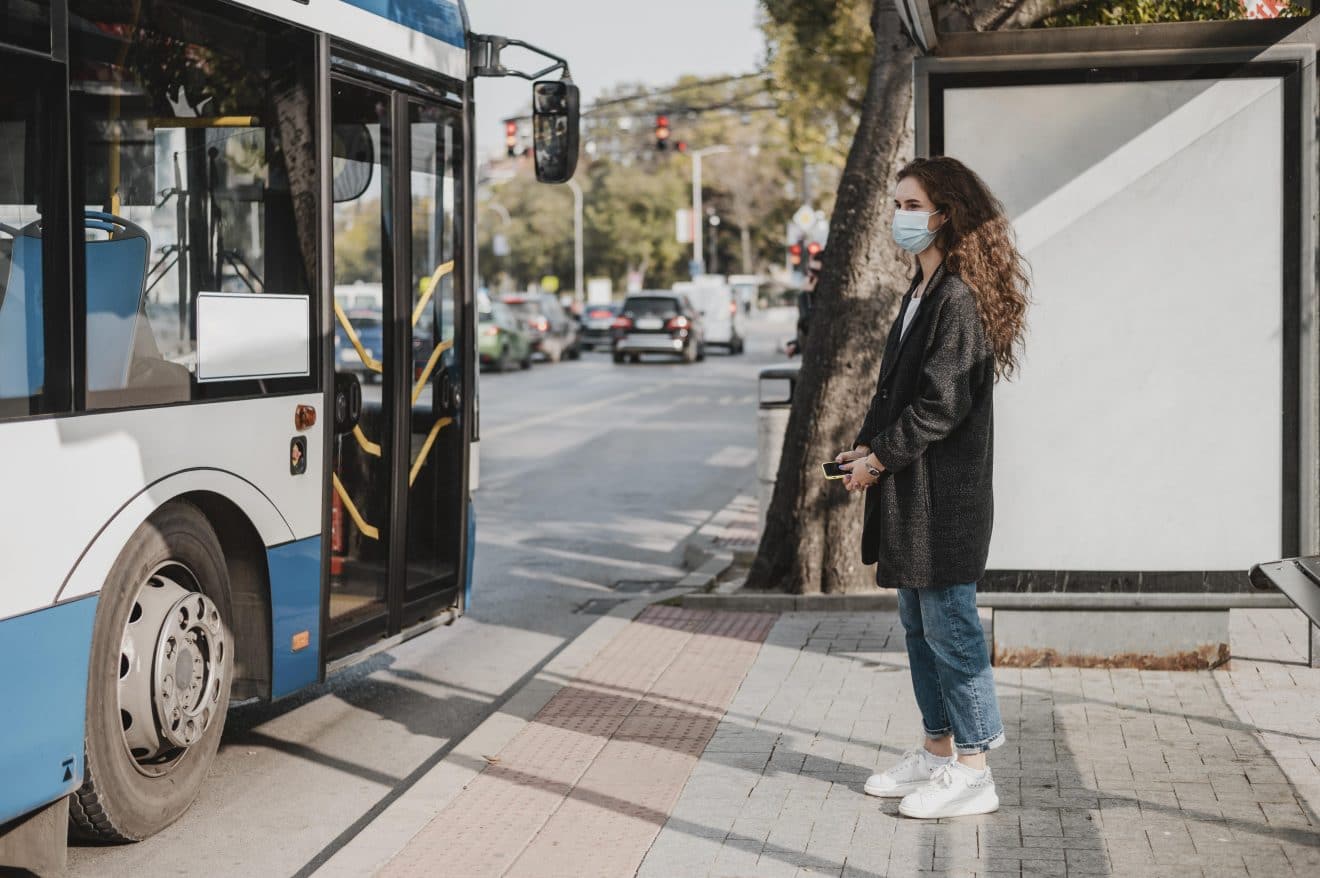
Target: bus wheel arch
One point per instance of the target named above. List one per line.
(162, 622)
(249, 592)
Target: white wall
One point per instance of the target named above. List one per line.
(1144, 431)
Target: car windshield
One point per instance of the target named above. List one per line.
(651, 306)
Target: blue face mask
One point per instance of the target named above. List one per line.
(911, 230)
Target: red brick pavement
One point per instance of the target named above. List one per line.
(586, 786)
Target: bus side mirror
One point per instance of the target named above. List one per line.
(348, 402)
(555, 130)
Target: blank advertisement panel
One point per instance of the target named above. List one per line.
(1145, 429)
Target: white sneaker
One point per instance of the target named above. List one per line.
(912, 773)
(953, 791)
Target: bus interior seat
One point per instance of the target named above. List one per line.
(22, 342)
(123, 359)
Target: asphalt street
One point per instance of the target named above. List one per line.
(592, 476)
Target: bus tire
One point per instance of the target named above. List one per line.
(163, 612)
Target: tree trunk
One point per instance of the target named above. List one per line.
(812, 538)
(746, 235)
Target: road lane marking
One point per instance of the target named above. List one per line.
(733, 456)
(562, 414)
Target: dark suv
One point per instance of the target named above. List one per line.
(553, 331)
(658, 323)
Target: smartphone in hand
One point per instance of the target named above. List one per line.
(832, 470)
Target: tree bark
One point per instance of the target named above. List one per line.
(812, 537)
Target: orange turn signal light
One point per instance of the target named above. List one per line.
(304, 417)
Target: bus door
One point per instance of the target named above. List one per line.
(398, 481)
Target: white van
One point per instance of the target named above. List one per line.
(719, 311)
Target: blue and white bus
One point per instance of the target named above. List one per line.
(220, 480)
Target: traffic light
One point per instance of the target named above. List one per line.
(795, 254)
(662, 132)
(813, 248)
(511, 138)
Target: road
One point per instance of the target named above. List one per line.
(592, 474)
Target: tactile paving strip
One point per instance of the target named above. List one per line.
(583, 790)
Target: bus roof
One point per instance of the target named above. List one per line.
(389, 27)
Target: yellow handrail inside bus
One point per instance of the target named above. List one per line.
(369, 361)
(430, 367)
(426, 449)
(367, 445)
(204, 122)
(368, 531)
(441, 270)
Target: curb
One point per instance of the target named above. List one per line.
(769, 602)
(390, 832)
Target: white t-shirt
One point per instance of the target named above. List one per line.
(910, 314)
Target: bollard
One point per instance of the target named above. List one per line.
(775, 399)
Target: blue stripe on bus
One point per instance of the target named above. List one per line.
(295, 599)
(43, 693)
(435, 18)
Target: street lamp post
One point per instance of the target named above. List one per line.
(698, 226)
(579, 294)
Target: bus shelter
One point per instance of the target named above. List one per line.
(1162, 434)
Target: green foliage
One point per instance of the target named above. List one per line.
(629, 220)
(1105, 12)
(540, 232)
(357, 242)
(818, 56)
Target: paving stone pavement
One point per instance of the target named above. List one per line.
(1106, 772)
(585, 787)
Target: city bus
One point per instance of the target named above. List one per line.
(217, 218)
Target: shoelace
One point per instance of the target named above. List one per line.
(943, 776)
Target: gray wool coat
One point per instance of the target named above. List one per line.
(931, 423)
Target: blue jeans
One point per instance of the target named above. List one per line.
(951, 673)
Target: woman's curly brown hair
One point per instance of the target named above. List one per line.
(979, 246)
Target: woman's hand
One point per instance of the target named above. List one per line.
(858, 476)
(856, 454)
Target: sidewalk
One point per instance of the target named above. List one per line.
(735, 744)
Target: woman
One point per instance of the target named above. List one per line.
(926, 452)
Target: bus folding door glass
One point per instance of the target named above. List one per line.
(195, 132)
(435, 493)
(26, 23)
(362, 149)
(29, 374)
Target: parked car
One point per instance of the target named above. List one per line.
(367, 325)
(718, 305)
(502, 339)
(658, 323)
(553, 332)
(597, 325)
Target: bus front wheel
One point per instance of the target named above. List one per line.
(158, 681)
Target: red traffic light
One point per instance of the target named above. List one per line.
(511, 137)
(662, 132)
(795, 254)
(813, 248)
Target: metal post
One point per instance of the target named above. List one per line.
(698, 221)
(698, 230)
(579, 295)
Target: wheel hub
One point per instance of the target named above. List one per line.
(171, 663)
